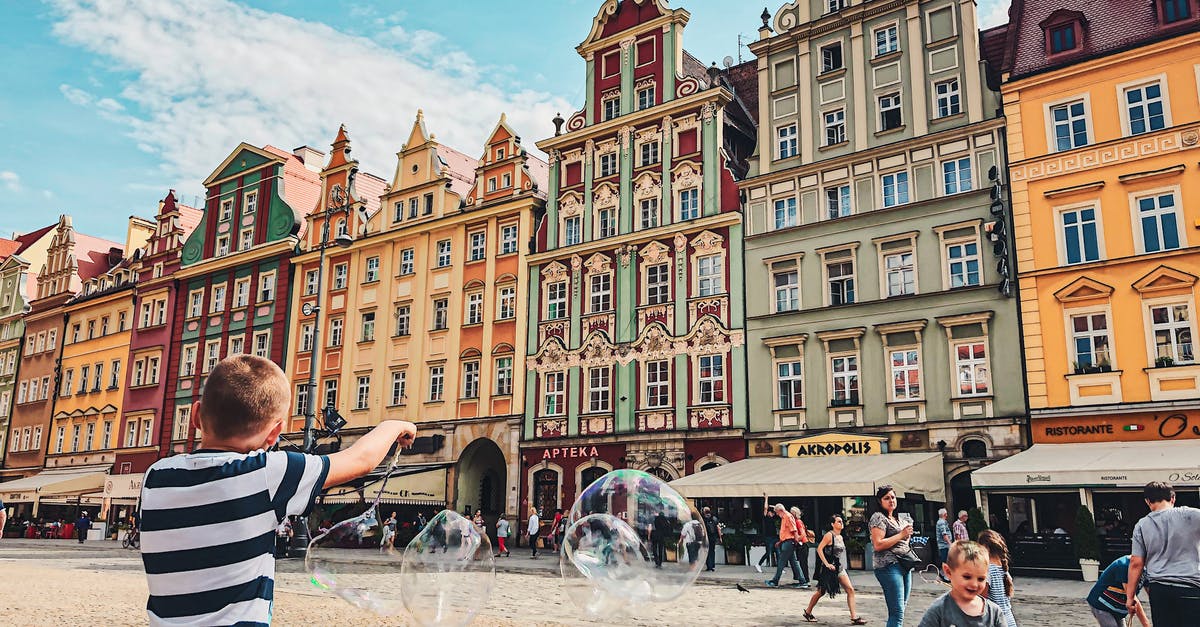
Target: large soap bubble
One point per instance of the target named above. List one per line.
(355, 561)
(448, 571)
(631, 539)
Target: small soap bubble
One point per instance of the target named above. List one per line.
(448, 571)
(355, 560)
(631, 539)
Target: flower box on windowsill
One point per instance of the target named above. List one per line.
(844, 402)
(1092, 369)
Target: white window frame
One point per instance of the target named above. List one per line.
(1176, 211)
(607, 164)
(789, 375)
(786, 141)
(610, 108)
(833, 256)
(900, 182)
(851, 374)
(507, 303)
(658, 286)
(710, 275)
(972, 365)
(478, 250)
(910, 361)
(407, 262)
(217, 304)
(952, 176)
(710, 388)
(1051, 124)
(371, 269)
(1060, 232)
(474, 312)
(788, 292)
(964, 260)
(399, 387)
(554, 393)
(212, 355)
(1096, 356)
(241, 292)
(508, 238)
(336, 328)
(441, 314)
(362, 397)
(1126, 108)
(245, 239)
(341, 275)
(266, 287)
(367, 320)
(947, 98)
(599, 389)
(600, 292)
(1176, 355)
(556, 306)
(689, 203)
(504, 376)
(893, 264)
(403, 316)
(310, 282)
(787, 213)
(844, 205)
(889, 102)
(470, 385)
(834, 121)
(891, 39)
(572, 231)
(648, 153)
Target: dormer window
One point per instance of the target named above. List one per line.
(499, 154)
(1064, 31)
(1175, 10)
(1062, 38)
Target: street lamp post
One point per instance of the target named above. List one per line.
(341, 201)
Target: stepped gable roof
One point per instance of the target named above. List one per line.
(744, 78)
(301, 186)
(1109, 26)
(93, 255)
(461, 169)
(8, 247)
(29, 238)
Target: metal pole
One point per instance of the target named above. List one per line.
(310, 413)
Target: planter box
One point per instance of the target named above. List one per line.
(735, 558)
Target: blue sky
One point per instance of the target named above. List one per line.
(113, 102)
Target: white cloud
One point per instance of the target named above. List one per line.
(992, 13)
(197, 90)
(10, 180)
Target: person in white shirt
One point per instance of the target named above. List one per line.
(535, 525)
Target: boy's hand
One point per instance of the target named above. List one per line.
(408, 434)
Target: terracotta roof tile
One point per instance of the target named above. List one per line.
(694, 67)
(540, 172)
(462, 169)
(370, 188)
(29, 238)
(8, 247)
(992, 43)
(92, 254)
(189, 218)
(301, 186)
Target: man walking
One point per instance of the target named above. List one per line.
(801, 542)
(535, 525)
(82, 525)
(659, 532)
(1166, 548)
(944, 539)
(788, 537)
(769, 529)
(712, 526)
(960, 527)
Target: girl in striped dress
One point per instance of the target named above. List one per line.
(1000, 586)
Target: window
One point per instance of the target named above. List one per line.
(599, 390)
(403, 317)
(835, 127)
(212, 354)
(658, 383)
(222, 246)
(1081, 235)
(1144, 106)
(1172, 329)
(84, 375)
(837, 201)
(554, 390)
(441, 314)
(147, 313)
(428, 204)
(900, 273)
(556, 300)
(67, 386)
(37, 436)
(341, 273)
(895, 189)
(645, 97)
(508, 303)
(889, 112)
(1160, 222)
(188, 365)
(601, 292)
(266, 287)
(412, 208)
(886, 40)
(833, 6)
(906, 375)
(120, 327)
(103, 332)
(310, 283)
(21, 389)
(572, 231)
(41, 341)
(301, 404)
(841, 282)
(406, 261)
(335, 331)
(475, 308)
(226, 210)
(75, 331)
(608, 222)
(612, 108)
(970, 363)
(689, 204)
(790, 382)
(470, 379)
(956, 175)
(1175, 10)
(658, 286)
(831, 57)
(1062, 37)
(711, 275)
(52, 338)
(785, 213)
(331, 392)
(712, 378)
(648, 212)
(342, 228)
(1070, 125)
(1089, 334)
(398, 211)
(241, 293)
(363, 396)
(948, 100)
(114, 377)
(491, 184)
(478, 245)
(245, 239)
(89, 434)
(437, 382)
(91, 324)
(399, 384)
(844, 371)
(506, 178)
(962, 259)
(75, 437)
(786, 136)
(368, 327)
(508, 239)
(787, 289)
(131, 434)
(504, 376)
(371, 273)
(152, 370)
(183, 419)
(608, 164)
(99, 368)
(649, 153)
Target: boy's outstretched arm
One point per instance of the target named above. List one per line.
(368, 451)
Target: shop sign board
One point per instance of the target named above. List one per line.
(832, 444)
(123, 486)
(1132, 427)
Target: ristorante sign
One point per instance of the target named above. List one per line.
(1132, 427)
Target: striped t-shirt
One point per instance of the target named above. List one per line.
(208, 532)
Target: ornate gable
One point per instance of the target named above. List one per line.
(599, 264)
(707, 243)
(1083, 289)
(554, 273)
(655, 252)
(1164, 280)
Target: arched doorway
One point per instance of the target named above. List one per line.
(482, 474)
(961, 492)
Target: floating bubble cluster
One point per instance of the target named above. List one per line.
(353, 561)
(631, 539)
(448, 571)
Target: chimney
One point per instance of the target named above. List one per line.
(310, 157)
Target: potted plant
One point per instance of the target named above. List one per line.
(735, 547)
(1105, 366)
(855, 553)
(1164, 361)
(1087, 544)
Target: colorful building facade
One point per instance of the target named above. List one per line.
(234, 276)
(635, 339)
(17, 282)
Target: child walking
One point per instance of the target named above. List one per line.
(1000, 584)
(965, 606)
(209, 517)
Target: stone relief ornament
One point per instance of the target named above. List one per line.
(554, 273)
(576, 263)
(680, 242)
(624, 134)
(655, 252)
(686, 175)
(624, 254)
(647, 185)
(606, 196)
(598, 264)
(596, 351)
(570, 205)
(655, 343)
(707, 243)
(708, 111)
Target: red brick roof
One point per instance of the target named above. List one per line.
(369, 188)
(92, 255)
(8, 247)
(992, 44)
(29, 238)
(1109, 26)
(189, 218)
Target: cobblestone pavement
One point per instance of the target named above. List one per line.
(100, 581)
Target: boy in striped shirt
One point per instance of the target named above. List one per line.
(209, 517)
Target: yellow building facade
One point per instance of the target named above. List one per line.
(423, 316)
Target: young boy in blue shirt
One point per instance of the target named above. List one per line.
(209, 517)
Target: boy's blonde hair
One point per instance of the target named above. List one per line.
(967, 551)
(242, 396)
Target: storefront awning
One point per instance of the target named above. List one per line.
(844, 475)
(417, 484)
(52, 483)
(1101, 464)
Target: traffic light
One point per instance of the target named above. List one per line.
(997, 231)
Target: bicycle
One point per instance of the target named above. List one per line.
(133, 538)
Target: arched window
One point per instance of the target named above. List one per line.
(709, 466)
(545, 490)
(974, 449)
(341, 228)
(661, 473)
(590, 475)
